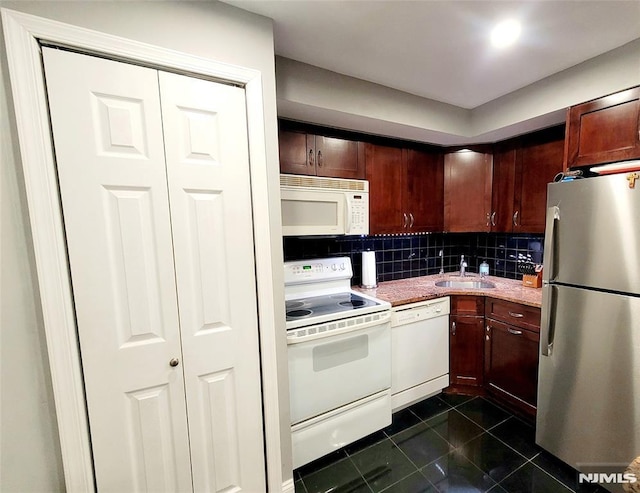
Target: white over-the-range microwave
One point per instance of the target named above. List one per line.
(314, 205)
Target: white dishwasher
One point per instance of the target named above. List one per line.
(419, 351)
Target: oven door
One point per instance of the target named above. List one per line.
(332, 370)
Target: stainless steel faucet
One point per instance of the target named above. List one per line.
(441, 255)
(463, 266)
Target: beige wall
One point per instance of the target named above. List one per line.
(319, 96)
(30, 460)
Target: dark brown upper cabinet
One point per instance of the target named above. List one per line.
(385, 173)
(538, 160)
(468, 178)
(405, 190)
(424, 191)
(522, 168)
(504, 175)
(308, 154)
(604, 130)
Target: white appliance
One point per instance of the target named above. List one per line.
(419, 351)
(339, 352)
(313, 205)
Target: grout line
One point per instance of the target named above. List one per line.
(514, 471)
(512, 448)
(360, 472)
(418, 469)
(304, 486)
(323, 467)
(498, 424)
(551, 475)
(410, 474)
(482, 431)
(434, 416)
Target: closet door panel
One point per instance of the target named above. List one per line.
(206, 142)
(107, 134)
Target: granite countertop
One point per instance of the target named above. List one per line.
(423, 288)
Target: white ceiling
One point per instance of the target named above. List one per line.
(440, 49)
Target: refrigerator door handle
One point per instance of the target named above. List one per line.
(553, 216)
(547, 327)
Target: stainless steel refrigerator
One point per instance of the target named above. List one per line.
(589, 374)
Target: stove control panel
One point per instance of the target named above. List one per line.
(316, 270)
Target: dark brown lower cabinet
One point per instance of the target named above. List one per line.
(465, 354)
(493, 351)
(511, 365)
(466, 324)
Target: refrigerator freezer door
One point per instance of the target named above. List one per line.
(589, 385)
(593, 234)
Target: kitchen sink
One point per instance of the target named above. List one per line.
(466, 284)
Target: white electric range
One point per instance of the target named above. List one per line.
(339, 351)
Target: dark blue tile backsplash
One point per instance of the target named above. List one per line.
(400, 257)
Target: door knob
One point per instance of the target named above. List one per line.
(174, 362)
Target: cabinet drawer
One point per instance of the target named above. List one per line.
(467, 305)
(527, 317)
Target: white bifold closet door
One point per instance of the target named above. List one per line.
(154, 179)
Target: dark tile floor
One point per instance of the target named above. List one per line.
(446, 443)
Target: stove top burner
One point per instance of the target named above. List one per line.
(299, 313)
(312, 307)
(354, 303)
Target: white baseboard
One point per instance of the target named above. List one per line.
(288, 486)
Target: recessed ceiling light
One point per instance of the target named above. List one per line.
(505, 33)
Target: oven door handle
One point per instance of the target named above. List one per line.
(330, 329)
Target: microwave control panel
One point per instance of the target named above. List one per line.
(359, 206)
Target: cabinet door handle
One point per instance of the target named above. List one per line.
(310, 157)
(516, 315)
(515, 332)
(406, 219)
(488, 219)
(411, 223)
(320, 159)
(515, 218)
(488, 328)
(453, 328)
(493, 218)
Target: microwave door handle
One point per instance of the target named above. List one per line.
(348, 221)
